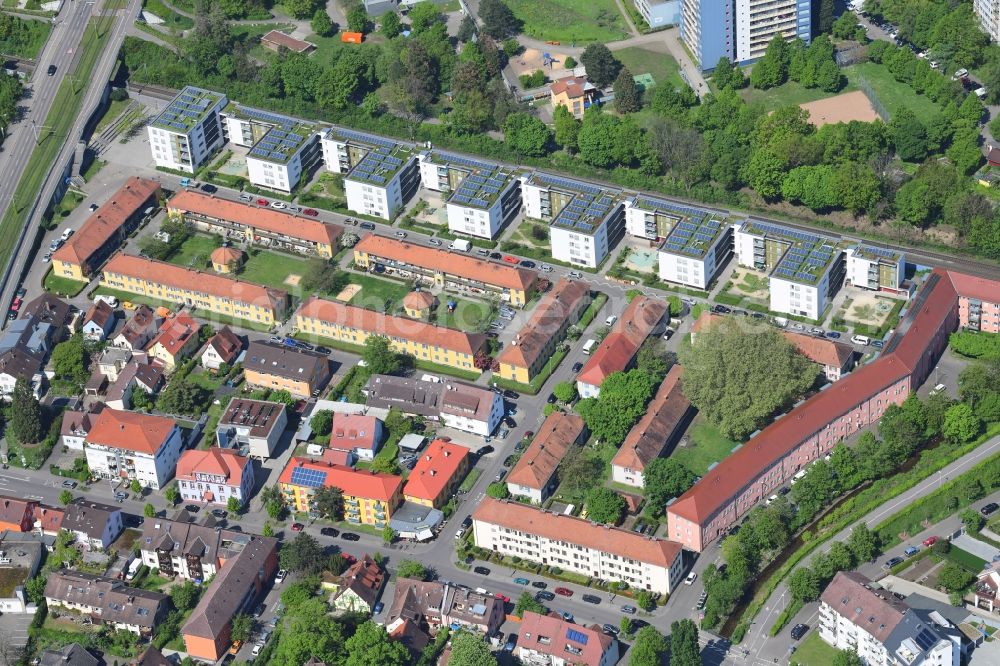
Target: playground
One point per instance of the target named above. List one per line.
(532, 60)
(642, 259)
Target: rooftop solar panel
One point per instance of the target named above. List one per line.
(313, 478)
(365, 139)
(576, 636)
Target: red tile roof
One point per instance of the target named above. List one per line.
(566, 299)
(370, 321)
(559, 635)
(452, 263)
(356, 483)
(159, 272)
(132, 431)
(573, 86)
(226, 344)
(539, 461)
(645, 441)
(850, 597)
(436, 468)
(216, 461)
(49, 519)
(560, 527)
(418, 300)
(618, 349)
(176, 332)
(100, 313)
(107, 220)
(279, 38)
(265, 219)
(353, 431)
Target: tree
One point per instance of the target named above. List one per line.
(234, 505)
(498, 490)
(466, 29)
(303, 554)
(498, 21)
(136, 487)
(171, 494)
(863, 543)
(273, 501)
(663, 479)
(803, 584)
(772, 69)
(526, 134)
(370, 645)
(626, 93)
(183, 397)
(329, 502)
(567, 128)
(242, 627)
(847, 657)
(565, 391)
(602, 66)
(972, 520)
(65, 497)
(412, 569)
(909, 135)
(954, 578)
(379, 357)
(70, 360)
(960, 423)
(470, 650)
(25, 415)
(149, 510)
(388, 535)
(35, 588)
(738, 381)
(321, 23)
(649, 648)
(321, 275)
(267, 530)
(357, 19)
(621, 402)
(684, 649)
(625, 626)
(322, 422)
(653, 358)
(728, 75)
(605, 506)
(526, 602)
(185, 595)
(301, 9)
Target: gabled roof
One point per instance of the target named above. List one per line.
(131, 431)
(364, 578)
(565, 299)
(353, 431)
(279, 38)
(573, 86)
(574, 643)
(141, 328)
(539, 461)
(226, 344)
(356, 483)
(647, 438)
(177, 332)
(436, 468)
(15, 511)
(216, 461)
(100, 313)
(849, 595)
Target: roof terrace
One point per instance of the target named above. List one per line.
(807, 257)
(187, 109)
(589, 205)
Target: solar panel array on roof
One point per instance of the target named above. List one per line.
(275, 119)
(365, 139)
(649, 203)
(185, 110)
(277, 145)
(377, 166)
(576, 636)
(585, 211)
(571, 185)
(764, 228)
(925, 639)
(480, 188)
(464, 161)
(692, 236)
(313, 478)
(878, 251)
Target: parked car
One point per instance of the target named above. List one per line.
(368, 226)
(833, 335)
(262, 202)
(121, 496)
(297, 527)
(257, 649)
(219, 513)
(208, 187)
(502, 597)
(311, 212)
(911, 551)
(350, 536)
(544, 595)
(499, 477)
(330, 531)
(799, 630)
(690, 578)
(434, 241)
(577, 367)
(575, 275)
(69, 484)
(509, 422)
(891, 562)
(244, 196)
(482, 571)
(511, 260)
(551, 399)
(591, 598)
(485, 450)
(521, 581)
(878, 344)
(610, 629)
(567, 616)
(629, 610)
(989, 509)
(545, 268)
(930, 541)
(528, 264)
(281, 576)
(563, 591)
(510, 395)
(541, 585)
(401, 234)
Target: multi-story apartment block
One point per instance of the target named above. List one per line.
(455, 404)
(978, 303)
(253, 427)
(195, 289)
(740, 31)
(280, 157)
(188, 130)
(694, 251)
(370, 498)
(105, 230)
(876, 268)
(577, 545)
(531, 348)
(435, 477)
(130, 445)
(381, 175)
(214, 475)
(346, 323)
(988, 13)
(805, 270)
(480, 196)
(708, 28)
(281, 368)
(107, 600)
(880, 628)
(453, 271)
(659, 13)
(534, 475)
(585, 221)
(256, 226)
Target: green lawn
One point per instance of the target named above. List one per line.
(171, 19)
(206, 380)
(706, 445)
(788, 94)
(644, 61)
(471, 316)
(966, 559)
(195, 252)
(61, 285)
(891, 93)
(93, 169)
(376, 293)
(813, 651)
(31, 39)
(271, 269)
(570, 21)
(115, 109)
(66, 205)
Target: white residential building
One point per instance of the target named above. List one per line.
(214, 475)
(282, 148)
(694, 251)
(381, 175)
(585, 221)
(253, 427)
(876, 268)
(188, 130)
(480, 196)
(882, 629)
(455, 404)
(757, 23)
(577, 545)
(805, 270)
(988, 13)
(130, 445)
(659, 13)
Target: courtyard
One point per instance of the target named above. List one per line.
(642, 260)
(868, 312)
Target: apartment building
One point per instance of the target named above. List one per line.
(773, 456)
(759, 21)
(880, 628)
(428, 342)
(574, 93)
(804, 270)
(550, 640)
(282, 149)
(875, 268)
(585, 221)
(107, 601)
(615, 353)
(694, 251)
(106, 229)
(531, 348)
(577, 545)
(665, 420)
(659, 13)
(534, 475)
(430, 605)
(195, 289)
(380, 174)
(188, 130)
(455, 404)
(435, 477)
(93, 525)
(281, 368)
(370, 498)
(480, 197)
(252, 427)
(189, 550)
(978, 303)
(708, 29)
(266, 227)
(131, 445)
(214, 475)
(988, 13)
(449, 270)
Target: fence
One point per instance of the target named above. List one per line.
(869, 92)
(851, 55)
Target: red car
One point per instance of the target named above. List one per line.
(502, 597)
(350, 559)
(16, 305)
(563, 591)
(311, 212)
(262, 202)
(529, 434)
(297, 527)
(511, 260)
(930, 541)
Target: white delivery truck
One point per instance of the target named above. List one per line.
(460, 245)
(589, 346)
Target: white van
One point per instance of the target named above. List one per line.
(110, 300)
(798, 475)
(780, 321)
(861, 340)
(133, 569)
(589, 346)
(461, 245)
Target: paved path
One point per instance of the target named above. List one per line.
(628, 18)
